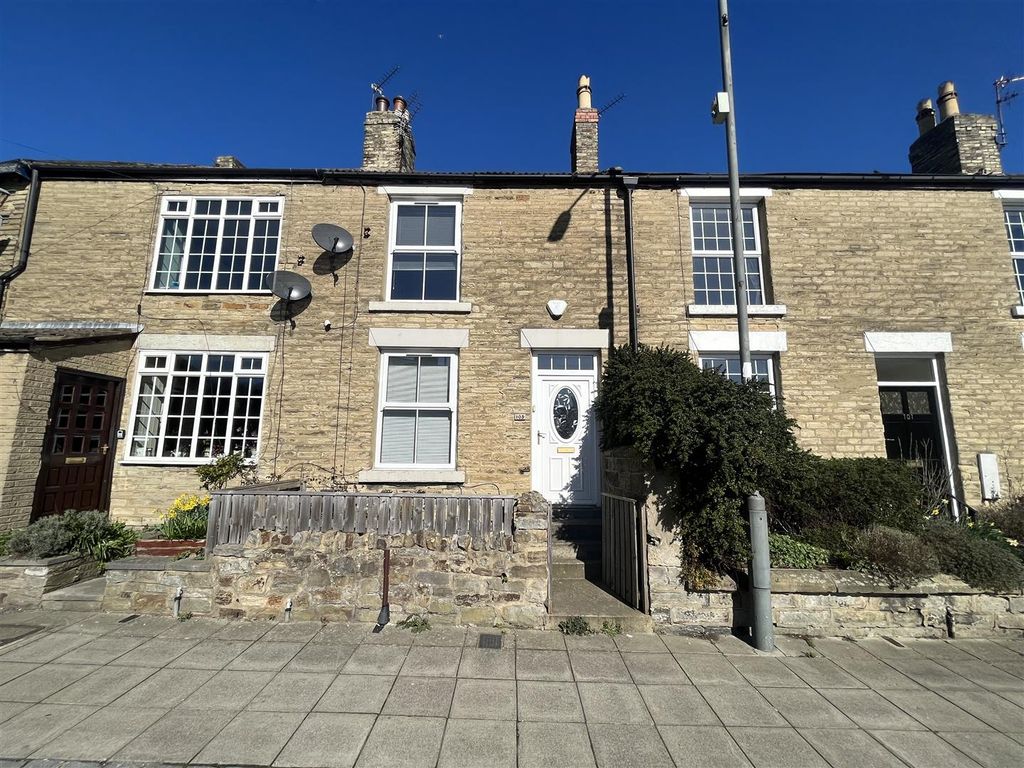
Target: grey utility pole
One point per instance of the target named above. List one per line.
(760, 562)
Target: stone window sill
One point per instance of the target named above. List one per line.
(727, 310)
(447, 307)
(1018, 311)
(454, 476)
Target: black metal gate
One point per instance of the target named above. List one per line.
(624, 551)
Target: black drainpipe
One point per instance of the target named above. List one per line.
(26, 237)
(629, 184)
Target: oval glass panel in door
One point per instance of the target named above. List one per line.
(566, 413)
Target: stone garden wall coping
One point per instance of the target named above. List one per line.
(158, 563)
(807, 581)
(33, 562)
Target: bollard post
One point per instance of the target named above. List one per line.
(760, 575)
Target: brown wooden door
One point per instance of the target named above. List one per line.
(78, 452)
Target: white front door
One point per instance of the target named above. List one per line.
(565, 466)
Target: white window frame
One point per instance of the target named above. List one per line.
(383, 403)
(189, 213)
(769, 357)
(437, 305)
(1016, 207)
(168, 372)
(698, 201)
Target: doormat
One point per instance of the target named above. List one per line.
(11, 632)
(490, 641)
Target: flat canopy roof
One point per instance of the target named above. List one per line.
(20, 335)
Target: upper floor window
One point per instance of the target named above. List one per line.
(194, 406)
(729, 366)
(225, 244)
(424, 250)
(417, 408)
(714, 278)
(1015, 237)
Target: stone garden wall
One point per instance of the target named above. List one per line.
(23, 582)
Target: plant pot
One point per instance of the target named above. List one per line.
(167, 547)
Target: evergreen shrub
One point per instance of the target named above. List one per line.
(982, 563)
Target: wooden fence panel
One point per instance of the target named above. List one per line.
(624, 550)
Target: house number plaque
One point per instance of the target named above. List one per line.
(518, 417)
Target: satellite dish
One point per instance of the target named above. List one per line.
(332, 238)
(289, 286)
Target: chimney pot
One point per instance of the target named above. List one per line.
(925, 116)
(949, 104)
(381, 103)
(583, 95)
(399, 104)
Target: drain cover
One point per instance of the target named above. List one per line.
(490, 641)
(11, 632)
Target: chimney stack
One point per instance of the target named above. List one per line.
(387, 137)
(228, 161)
(957, 143)
(583, 149)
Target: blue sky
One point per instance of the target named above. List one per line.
(821, 85)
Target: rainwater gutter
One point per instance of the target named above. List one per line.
(25, 244)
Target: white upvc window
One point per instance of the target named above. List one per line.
(217, 244)
(424, 250)
(714, 279)
(417, 413)
(728, 364)
(1014, 218)
(191, 407)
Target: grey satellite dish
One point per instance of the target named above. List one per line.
(332, 238)
(289, 286)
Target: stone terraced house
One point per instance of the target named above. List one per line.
(458, 345)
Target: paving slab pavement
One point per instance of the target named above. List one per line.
(84, 690)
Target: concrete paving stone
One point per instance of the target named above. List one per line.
(451, 636)
(420, 696)
(4, 763)
(320, 657)
(9, 670)
(761, 671)
(992, 750)
(227, 690)
(934, 711)
(869, 709)
(702, 746)
(24, 733)
(806, 708)
(98, 623)
(402, 742)
(731, 645)
(293, 632)
(822, 673)
(478, 744)
(836, 648)
(539, 640)
(687, 644)
(508, 637)
(194, 629)
(102, 686)
(990, 708)
(372, 660)
(595, 642)
(640, 643)
(1015, 697)
(793, 646)
(1017, 646)
(776, 748)
(356, 694)
(265, 656)
(488, 664)
(390, 635)
(654, 669)
(876, 674)
(44, 681)
(292, 692)
(613, 703)
(883, 649)
(931, 674)
(702, 669)
(326, 740)
(986, 675)
(47, 647)
(484, 699)
(102, 650)
(344, 632)
(432, 661)
(567, 745)
(101, 734)
(542, 665)
(988, 650)
(938, 650)
(1015, 668)
(923, 749)
(210, 654)
(548, 702)
(677, 705)
(165, 688)
(143, 626)
(741, 705)
(156, 652)
(9, 709)
(618, 745)
(243, 629)
(252, 738)
(599, 666)
(848, 748)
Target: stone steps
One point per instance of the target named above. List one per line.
(579, 597)
(83, 596)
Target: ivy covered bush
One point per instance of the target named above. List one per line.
(787, 552)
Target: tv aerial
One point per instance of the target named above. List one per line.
(1002, 98)
(611, 103)
(289, 286)
(378, 88)
(332, 238)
